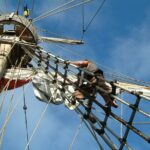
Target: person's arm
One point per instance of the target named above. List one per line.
(80, 63)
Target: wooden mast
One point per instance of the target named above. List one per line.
(5, 50)
(13, 29)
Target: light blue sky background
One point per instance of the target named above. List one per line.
(118, 38)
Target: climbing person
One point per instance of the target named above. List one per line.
(105, 89)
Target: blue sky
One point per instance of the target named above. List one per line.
(117, 39)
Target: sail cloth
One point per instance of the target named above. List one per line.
(44, 88)
(133, 88)
(15, 77)
(49, 92)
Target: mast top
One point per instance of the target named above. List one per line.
(21, 26)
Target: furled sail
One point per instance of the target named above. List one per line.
(47, 91)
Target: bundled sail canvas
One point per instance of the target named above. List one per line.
(47, 91)
(16, 77)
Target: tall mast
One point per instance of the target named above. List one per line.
(14, 29)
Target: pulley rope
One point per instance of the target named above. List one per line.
(131, 106)
(130, 123)
(5, 5)
(121, 115)
(37, 125)
(108, 129)
(33, 4)
(138, 132)
(92, 19)
(18, 6)
(49, 13)
(10, 114)
(5, 88)
(106, 140)
(2, 6)
(76, 134)
(9, 107)
(26, 120)
(141, 123)
(83, 22)
(114, 134)
(90, 129)
(55, 9)
(85, 28)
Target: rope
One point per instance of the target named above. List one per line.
(61, 6)
(5, 5)
(129, 123)
(141, 123)
(114, 76)
(36, 127)
(97, 139)
(84, 29)
(131, 106)
(47, 32)
(100, 122)
(78, 111)
(98, 10)
(9, 116)
(3, 98)
(0, 7)
(121, 115)
(26, 120)
(62, 61)
(58, 62)
(83, 22)
(9, 108)
(135, 130)
(102, 135)
(5, 88)
(70, 51)
(76, 134)
(32, 9)
(65, 9)
(109, 72)
(18, 6)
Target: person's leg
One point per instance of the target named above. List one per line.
(78, 94)
(108, 100)
(105, 92)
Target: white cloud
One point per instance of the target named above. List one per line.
(130, 54)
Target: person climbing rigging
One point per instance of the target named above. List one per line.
(96, 80)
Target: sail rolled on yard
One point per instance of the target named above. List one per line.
(16, 77)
